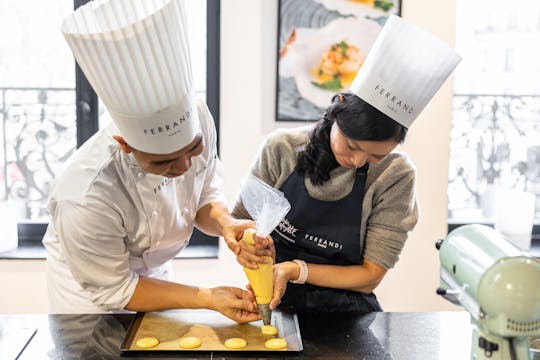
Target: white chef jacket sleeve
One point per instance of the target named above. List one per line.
(212, 190)
(92, 238)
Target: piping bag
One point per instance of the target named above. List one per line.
(267, 206)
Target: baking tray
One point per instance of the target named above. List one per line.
(211, 327)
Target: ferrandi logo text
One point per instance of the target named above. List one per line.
(393, 101)
(172, 128)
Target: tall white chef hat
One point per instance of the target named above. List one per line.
(135, 54)
(403, 70)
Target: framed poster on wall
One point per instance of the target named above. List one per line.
(321, 46)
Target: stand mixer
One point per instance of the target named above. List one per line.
(498, 284)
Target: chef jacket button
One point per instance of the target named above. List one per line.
(185, 211)
(158, 242)
(155, 213)
(140, 174)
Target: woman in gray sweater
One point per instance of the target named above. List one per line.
(352, 196)
(352, 205)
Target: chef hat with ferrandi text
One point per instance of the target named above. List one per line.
(404, 69)
(135, 54)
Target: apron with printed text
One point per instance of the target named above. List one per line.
(323, 232)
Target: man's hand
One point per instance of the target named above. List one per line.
(233, 230)
(214, 219)
(236, 304)
(248, 255)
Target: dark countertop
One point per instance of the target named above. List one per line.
(385, 336)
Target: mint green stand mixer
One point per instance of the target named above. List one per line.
(498, 284)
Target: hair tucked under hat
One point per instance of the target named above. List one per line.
(357, 120)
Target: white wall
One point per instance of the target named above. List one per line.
(248, 43)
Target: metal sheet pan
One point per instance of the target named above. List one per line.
(211, 327)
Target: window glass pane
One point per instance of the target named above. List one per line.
(197, 36)
(37, 97)
(37, 104)
(496, 107)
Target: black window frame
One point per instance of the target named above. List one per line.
(87, 121)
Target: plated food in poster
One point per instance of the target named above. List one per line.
(325, 61)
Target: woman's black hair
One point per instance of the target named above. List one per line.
(357, 120)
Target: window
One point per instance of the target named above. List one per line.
(510, 60)
(48, 110)
(496, 110)
(513, 19)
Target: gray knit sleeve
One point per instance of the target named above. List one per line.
(390, 210)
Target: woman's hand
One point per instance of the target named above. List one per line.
(236, 304)
(283, 273)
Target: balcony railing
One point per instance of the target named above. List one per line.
(38, 135)
(495, 141)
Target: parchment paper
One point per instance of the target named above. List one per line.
(211, 327)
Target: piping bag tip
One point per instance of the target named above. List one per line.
(266, 313)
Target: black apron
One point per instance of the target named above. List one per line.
(323, 232)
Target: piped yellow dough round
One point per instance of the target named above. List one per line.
(269, 330)
(235, 343)
(276, 344)
(147, 342)
(190, 342)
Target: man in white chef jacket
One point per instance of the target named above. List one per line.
(126, 202)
